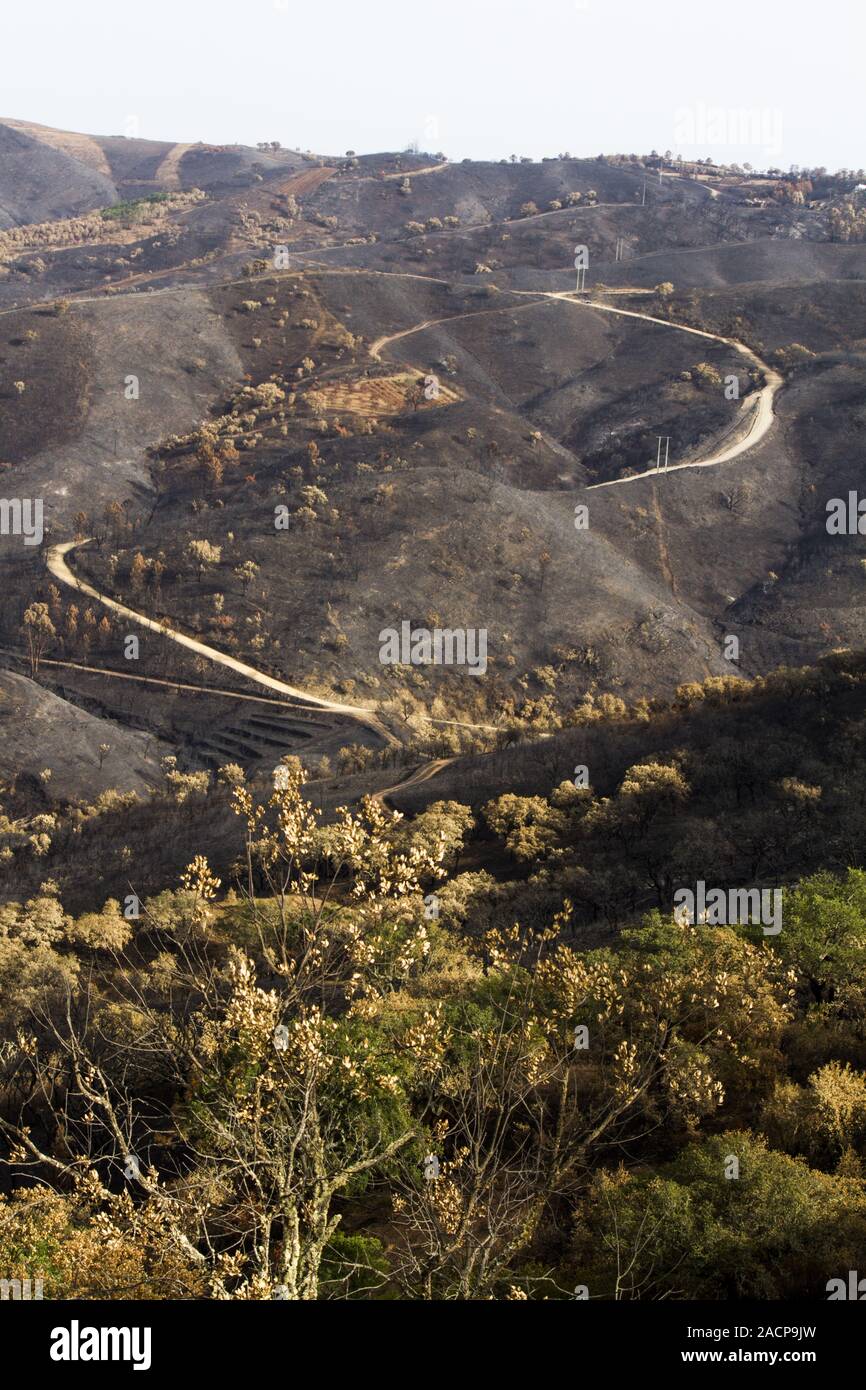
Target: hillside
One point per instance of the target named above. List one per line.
(414, 576)
(178, 388)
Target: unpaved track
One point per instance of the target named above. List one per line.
(375, 349)
(291, 706)
(421, 774)
(762, 417)
(57, 566)
(472, 229)
(56, 563)
(760, 408)
(412, 173)
(400, 174)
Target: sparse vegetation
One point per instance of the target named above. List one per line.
(331, 975)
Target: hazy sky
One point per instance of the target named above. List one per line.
(775, 82)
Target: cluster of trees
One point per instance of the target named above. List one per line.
(571, 200)
(350, 1076)
(733, 782)
(793, 191)
(67, 629)
(848, 221)
(91, 227)
(432, 224)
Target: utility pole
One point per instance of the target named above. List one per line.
(581, 260)
(666, 440)
(643, 199)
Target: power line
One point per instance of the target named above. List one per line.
(666, 440)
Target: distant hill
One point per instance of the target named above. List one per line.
(46, 173)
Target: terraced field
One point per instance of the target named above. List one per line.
(388, 395)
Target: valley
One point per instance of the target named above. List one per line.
(433, 712)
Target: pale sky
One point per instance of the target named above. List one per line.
(769, 82)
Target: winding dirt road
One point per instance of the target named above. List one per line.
(758, 409)
(760, 420)
(57, 566)
(376, 348)
(421, 774)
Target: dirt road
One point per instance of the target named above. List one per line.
(759, 409)
(57, 566)
(421, 774)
